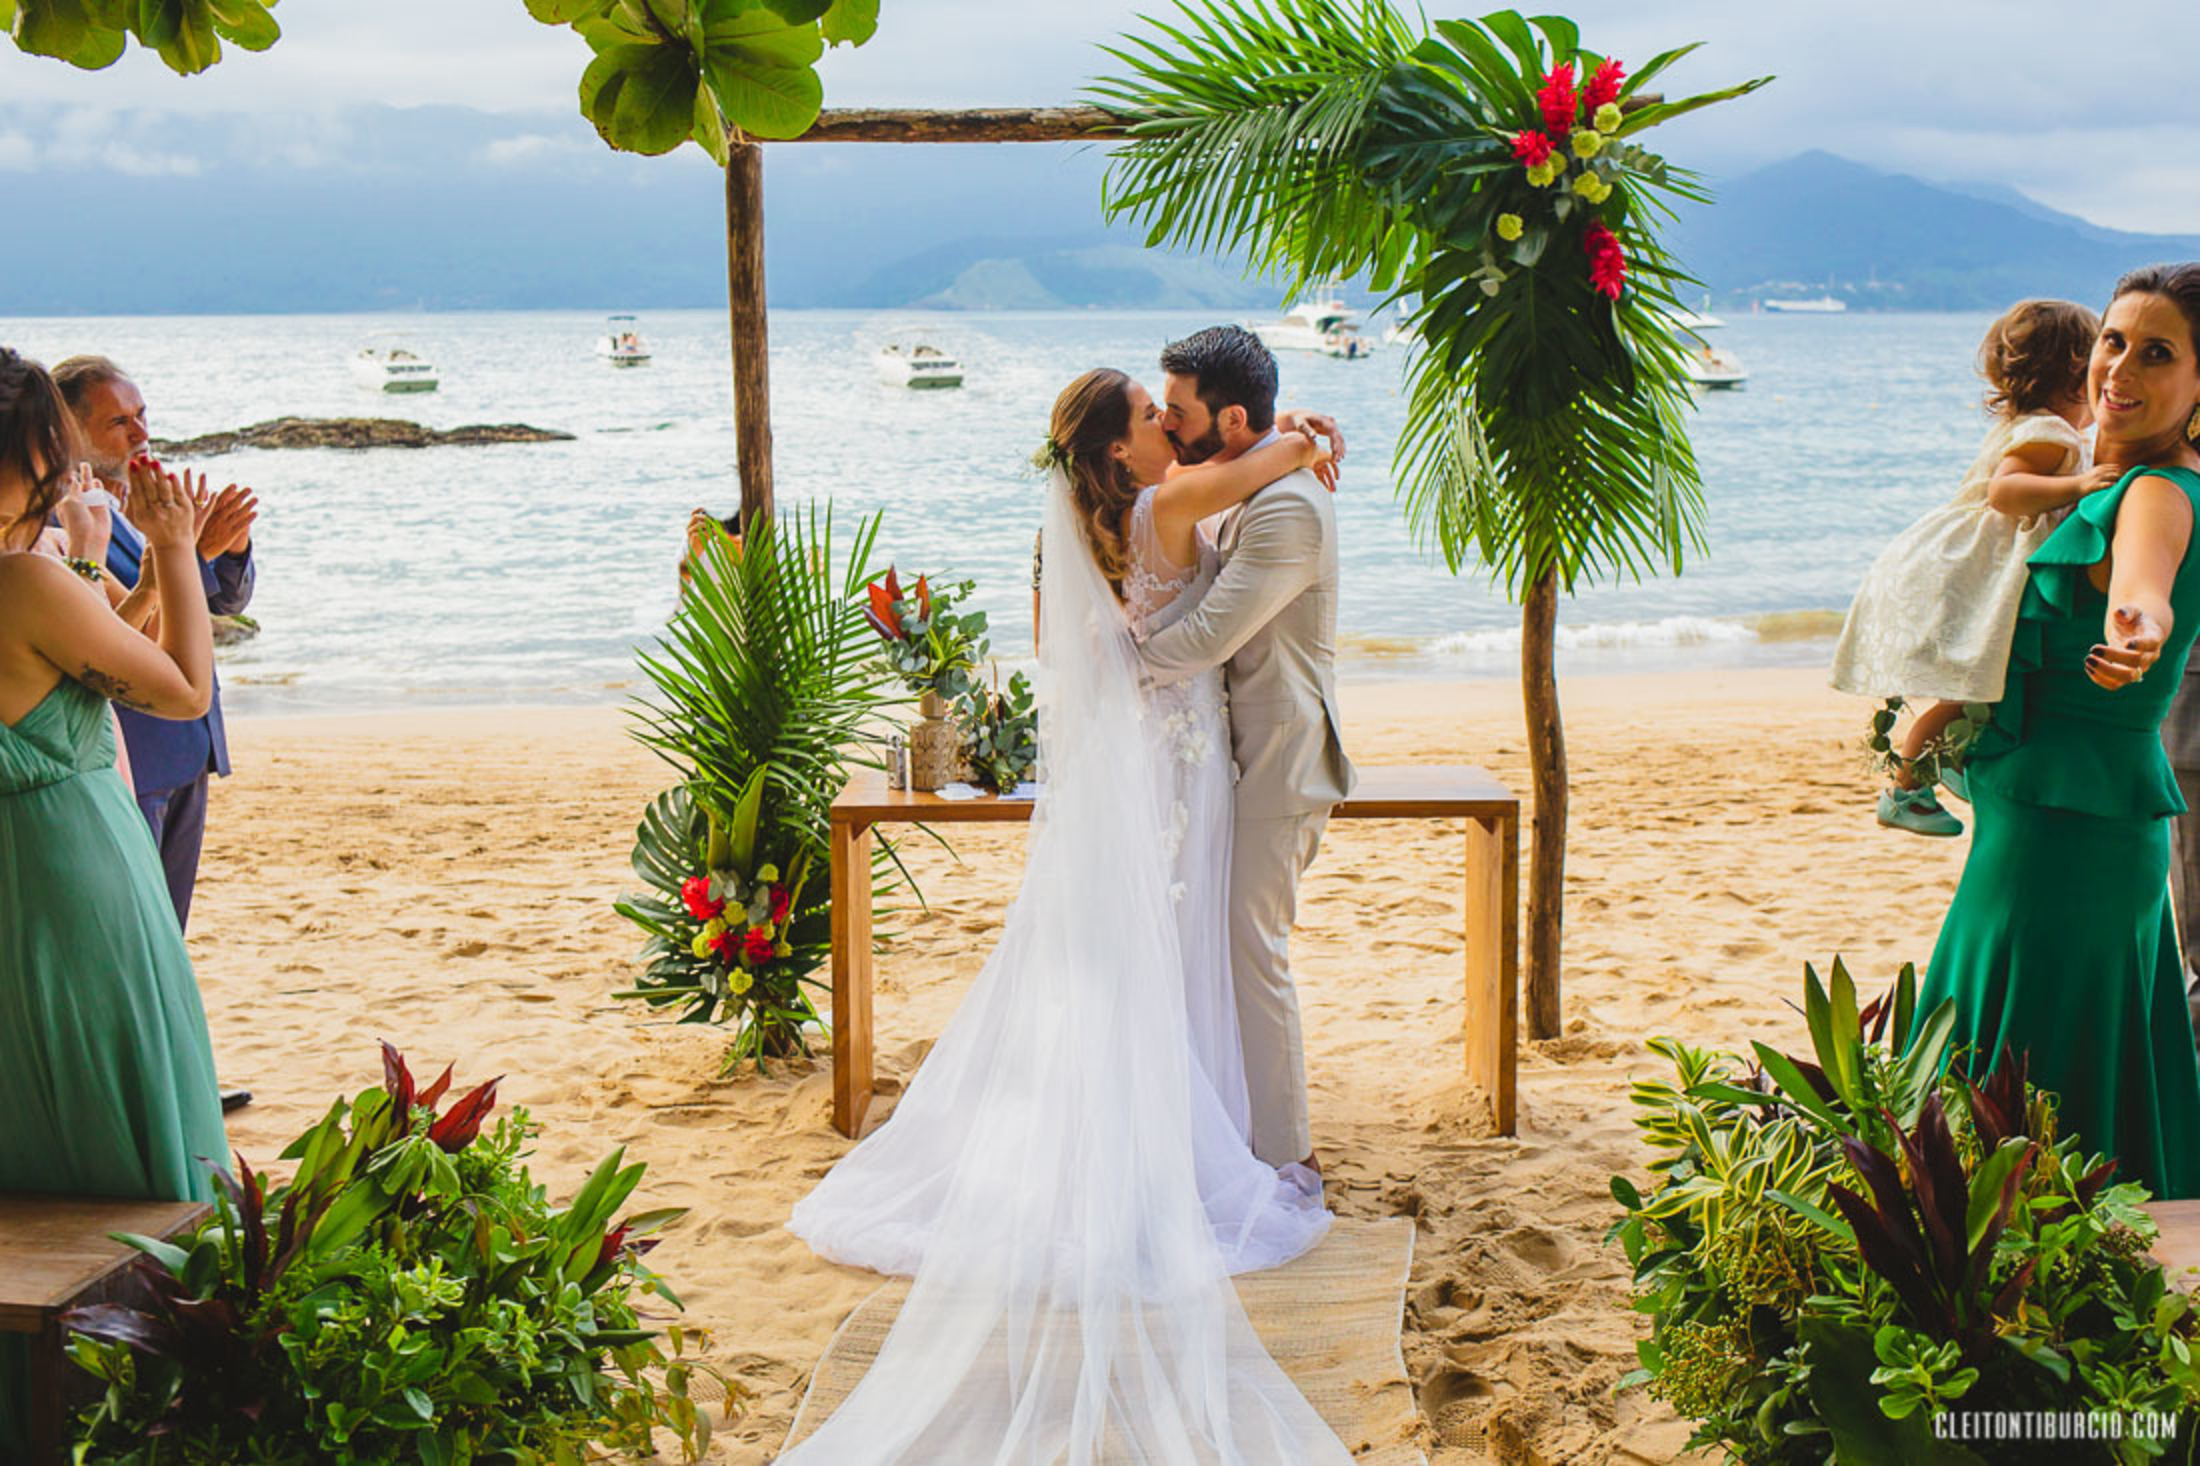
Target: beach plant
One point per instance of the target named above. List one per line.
(410, 1293)
(1491, 174)
(1837, 1251)
(661, 73)
(767, 686)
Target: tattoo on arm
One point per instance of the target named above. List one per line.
(114, 689)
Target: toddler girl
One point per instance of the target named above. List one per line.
(1936, 612)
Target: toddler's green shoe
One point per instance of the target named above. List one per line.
(1917, 811)
(1956, 782)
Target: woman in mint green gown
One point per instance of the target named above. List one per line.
(106, 1075)
(2060, 942)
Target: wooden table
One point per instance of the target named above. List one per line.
(55, 1255)
(1385, 792)
(2178, 1247)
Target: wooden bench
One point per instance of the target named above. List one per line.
(1399, 792)
(55, 1255)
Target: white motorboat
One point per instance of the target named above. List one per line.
(394, 369)
(918, 366)
(1824, 305)
(1327, 327)
(621, 343)
(1400, 333)
(1707, 365)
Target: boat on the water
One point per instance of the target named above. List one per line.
(1325, 327)
(1707, 365)
(1824, 305)
(1400, 332)
(394, 369)
(919, 366)
(621, 343)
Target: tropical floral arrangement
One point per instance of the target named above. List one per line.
(931, 646)
(1838, 1250)
(1002, 729)
(410, 1293)
(744, 934)
(768, 685)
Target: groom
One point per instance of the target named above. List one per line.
(1271, 615)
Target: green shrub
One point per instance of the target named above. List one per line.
(1837, 1250)
(409, 1294)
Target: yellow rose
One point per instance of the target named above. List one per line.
(1509, 226)
(1607, 118)
(1604, 191)
(1587, 185)
(1542, 174)
(740, 981)
(1586, 143)
(701, 945)
(715, 927)
(782, 949)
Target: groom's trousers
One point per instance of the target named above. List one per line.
(1267, 857)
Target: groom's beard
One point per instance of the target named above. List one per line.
(1200, 450)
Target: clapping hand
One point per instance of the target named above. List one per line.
(162, 505)
(225, 522)
(2134, 644)
(87, 518)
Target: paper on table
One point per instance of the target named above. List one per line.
(1026, 790)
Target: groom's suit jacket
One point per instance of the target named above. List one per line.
(1272, 616)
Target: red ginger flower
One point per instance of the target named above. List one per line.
(724, 948)
(1532, 148)
(695, 891)
(1607, 262)
(1603, 86)
(757, 945)
(1558, 101)
(782, 898)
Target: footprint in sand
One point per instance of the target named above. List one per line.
(468, 949)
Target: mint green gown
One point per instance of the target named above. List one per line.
(106, 1075)
(2060, 940)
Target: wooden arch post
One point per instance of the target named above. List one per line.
(745, 302)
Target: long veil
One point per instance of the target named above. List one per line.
(1072, 1303)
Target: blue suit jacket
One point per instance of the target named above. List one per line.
(164, 753)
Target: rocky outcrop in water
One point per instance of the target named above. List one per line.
(355, 432)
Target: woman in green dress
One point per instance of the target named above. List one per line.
(106, 1075)
(2060, 941)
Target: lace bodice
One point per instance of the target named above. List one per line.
(1156, 591)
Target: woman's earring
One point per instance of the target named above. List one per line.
(2192, 425)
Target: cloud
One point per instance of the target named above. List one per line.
(527, 147)
(18, 154)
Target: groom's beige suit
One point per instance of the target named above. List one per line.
(1271, 615)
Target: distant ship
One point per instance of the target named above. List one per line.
(1327, 327)
(1707, 365)
(1824, 305)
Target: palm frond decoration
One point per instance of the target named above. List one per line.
(766, 683)
(1485, 174)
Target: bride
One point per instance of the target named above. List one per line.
(1067, 1178)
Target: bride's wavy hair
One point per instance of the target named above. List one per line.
(37, 437)
(1091, 416)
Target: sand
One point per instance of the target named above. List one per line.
(444, 880)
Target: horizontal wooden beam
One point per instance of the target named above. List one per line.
(975, 125)
(993, 124)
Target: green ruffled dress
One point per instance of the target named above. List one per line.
(106, 1074)
(2060, 941)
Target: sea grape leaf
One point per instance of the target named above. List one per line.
(655, 110)
(52, 27)
(246, 23)
(851, 22)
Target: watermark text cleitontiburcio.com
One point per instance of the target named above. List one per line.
(2054, 1425)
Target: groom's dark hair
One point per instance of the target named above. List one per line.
(1230, 367)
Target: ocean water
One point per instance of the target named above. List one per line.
(530, 573)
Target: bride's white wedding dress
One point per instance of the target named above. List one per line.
(1067, 1177)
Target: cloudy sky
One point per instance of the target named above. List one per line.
(2093, 109)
